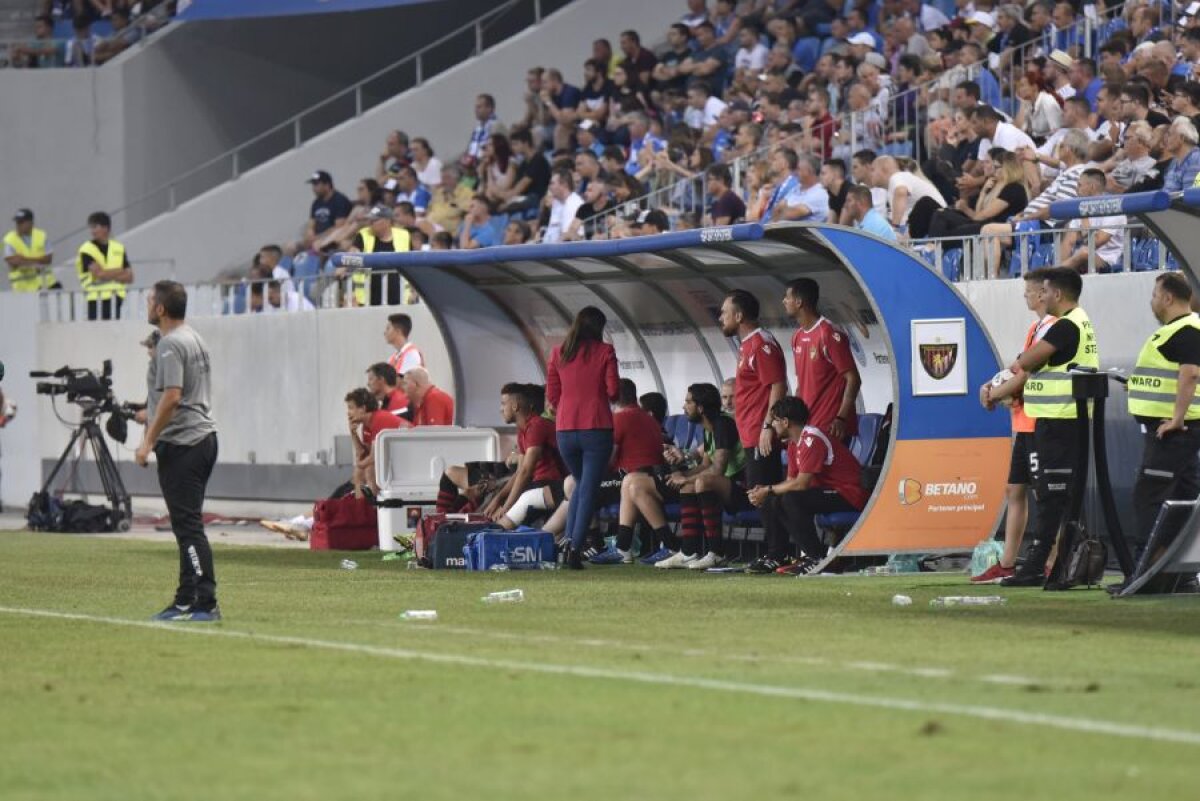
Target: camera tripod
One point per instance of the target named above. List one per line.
(114, 488)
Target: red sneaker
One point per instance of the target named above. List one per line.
(993, 575)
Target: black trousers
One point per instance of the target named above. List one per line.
(107, 309)
(763, 470)
(385, 289)
(792, 514)
(183, 472)
(1052, 465)
(1170, 471)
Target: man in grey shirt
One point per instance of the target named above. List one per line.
(183, 437)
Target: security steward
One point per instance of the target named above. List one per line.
(1163, 398)
(104, 270)
(379, 236)
(1048, 399)
(26, 255)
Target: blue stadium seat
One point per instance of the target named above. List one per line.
(687, 435)
(1043, 255)
(1029, 243)
(952, 264)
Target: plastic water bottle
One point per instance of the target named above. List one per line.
(549, 565)
(504, 597)
(349, 564)
(969, 600)
(901, 600)
(419, 614)
(498, 568)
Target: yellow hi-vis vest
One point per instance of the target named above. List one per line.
(400, 243)
(1155, 378)
(27, 279)
(101, 290)
(1048, 390)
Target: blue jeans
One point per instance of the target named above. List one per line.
(586, 454)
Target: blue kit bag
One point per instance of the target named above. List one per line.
(520, 549)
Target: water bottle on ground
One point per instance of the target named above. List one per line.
(504, 597)
(419, 614)
(349, 564)
(969, 600)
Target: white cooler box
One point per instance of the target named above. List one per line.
(409, 463)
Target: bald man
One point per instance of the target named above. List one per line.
(430, 405)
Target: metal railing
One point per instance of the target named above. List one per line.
(988, 256)
(233, 298)
(465, 42)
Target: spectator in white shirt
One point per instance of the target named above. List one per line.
(1058, 65)
(905, 188)
(808, 201)
(927, 16)
(751, 57)
(428, 167)
(564, 205)
(703, 108)
(1104, 235)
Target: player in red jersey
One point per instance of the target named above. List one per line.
(826, 378)
(823, 476)
(760, 381)
(362, 410)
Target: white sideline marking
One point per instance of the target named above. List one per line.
(1084, 725)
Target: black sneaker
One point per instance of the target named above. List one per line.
(763, 566)
(1026, 576)
(173, 611)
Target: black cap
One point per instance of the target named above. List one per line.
(655, 217)
(320, 177)
(23, 215)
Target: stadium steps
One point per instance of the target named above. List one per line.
(16, 20)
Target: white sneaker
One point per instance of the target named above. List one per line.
(626, 557)
(675, 560)
(709, 559)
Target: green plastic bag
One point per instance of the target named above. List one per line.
(986, 554)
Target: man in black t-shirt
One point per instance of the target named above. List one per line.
(597, 201)
(533, 175)
(833, 178)
(727, 207)
(667, 76)
(329, 207)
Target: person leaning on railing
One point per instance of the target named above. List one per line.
(104, 270)
(27, 257)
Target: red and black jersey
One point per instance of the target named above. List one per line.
(830, 463)
(539, 433)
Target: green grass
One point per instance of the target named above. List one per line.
(94, 710)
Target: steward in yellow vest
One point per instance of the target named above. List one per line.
(379, 236)
(104, 270)
(1164, 400)
(26, 256)
(1048, 399)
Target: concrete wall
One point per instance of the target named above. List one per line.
(80, 140)
(271, 203)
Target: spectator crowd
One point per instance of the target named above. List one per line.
(909, 120)
(86, 33)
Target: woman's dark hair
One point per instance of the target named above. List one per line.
(708, 398)
(588, 327)
(502, 150)
(656, 404)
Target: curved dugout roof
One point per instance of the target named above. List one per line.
(501, 310)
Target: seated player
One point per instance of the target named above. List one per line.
(703, 489)
(363, 414)
(537, 483)
(823, 476)
(381, 382)
(637, 448)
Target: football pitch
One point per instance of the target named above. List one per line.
(612, 684)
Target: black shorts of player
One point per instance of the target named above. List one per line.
(1018, 466)
(478, 471)
(739, 501)
(610, 489)
(555, 486)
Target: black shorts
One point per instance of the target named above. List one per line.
(1018, 467)
(739, 501)
(555, 486)
(610, 489)
(478, 471)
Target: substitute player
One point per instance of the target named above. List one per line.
(183, 436)
(826, 378)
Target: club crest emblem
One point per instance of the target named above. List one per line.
(938, 359)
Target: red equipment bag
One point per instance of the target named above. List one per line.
(430, 525)
(344, 524)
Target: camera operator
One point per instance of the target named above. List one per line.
(183, 436)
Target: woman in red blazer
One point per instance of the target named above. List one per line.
(581, 383)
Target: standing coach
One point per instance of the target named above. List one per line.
(183, 437)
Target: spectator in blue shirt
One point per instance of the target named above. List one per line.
(639, 139)
(485, 123)
(863, 215)
(410, 190)
(1082, 77)
(477, 229)
(1180, 144)
(561, 100)
(808, 201)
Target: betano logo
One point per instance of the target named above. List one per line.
(912, 491)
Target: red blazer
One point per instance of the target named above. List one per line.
(582, 389)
